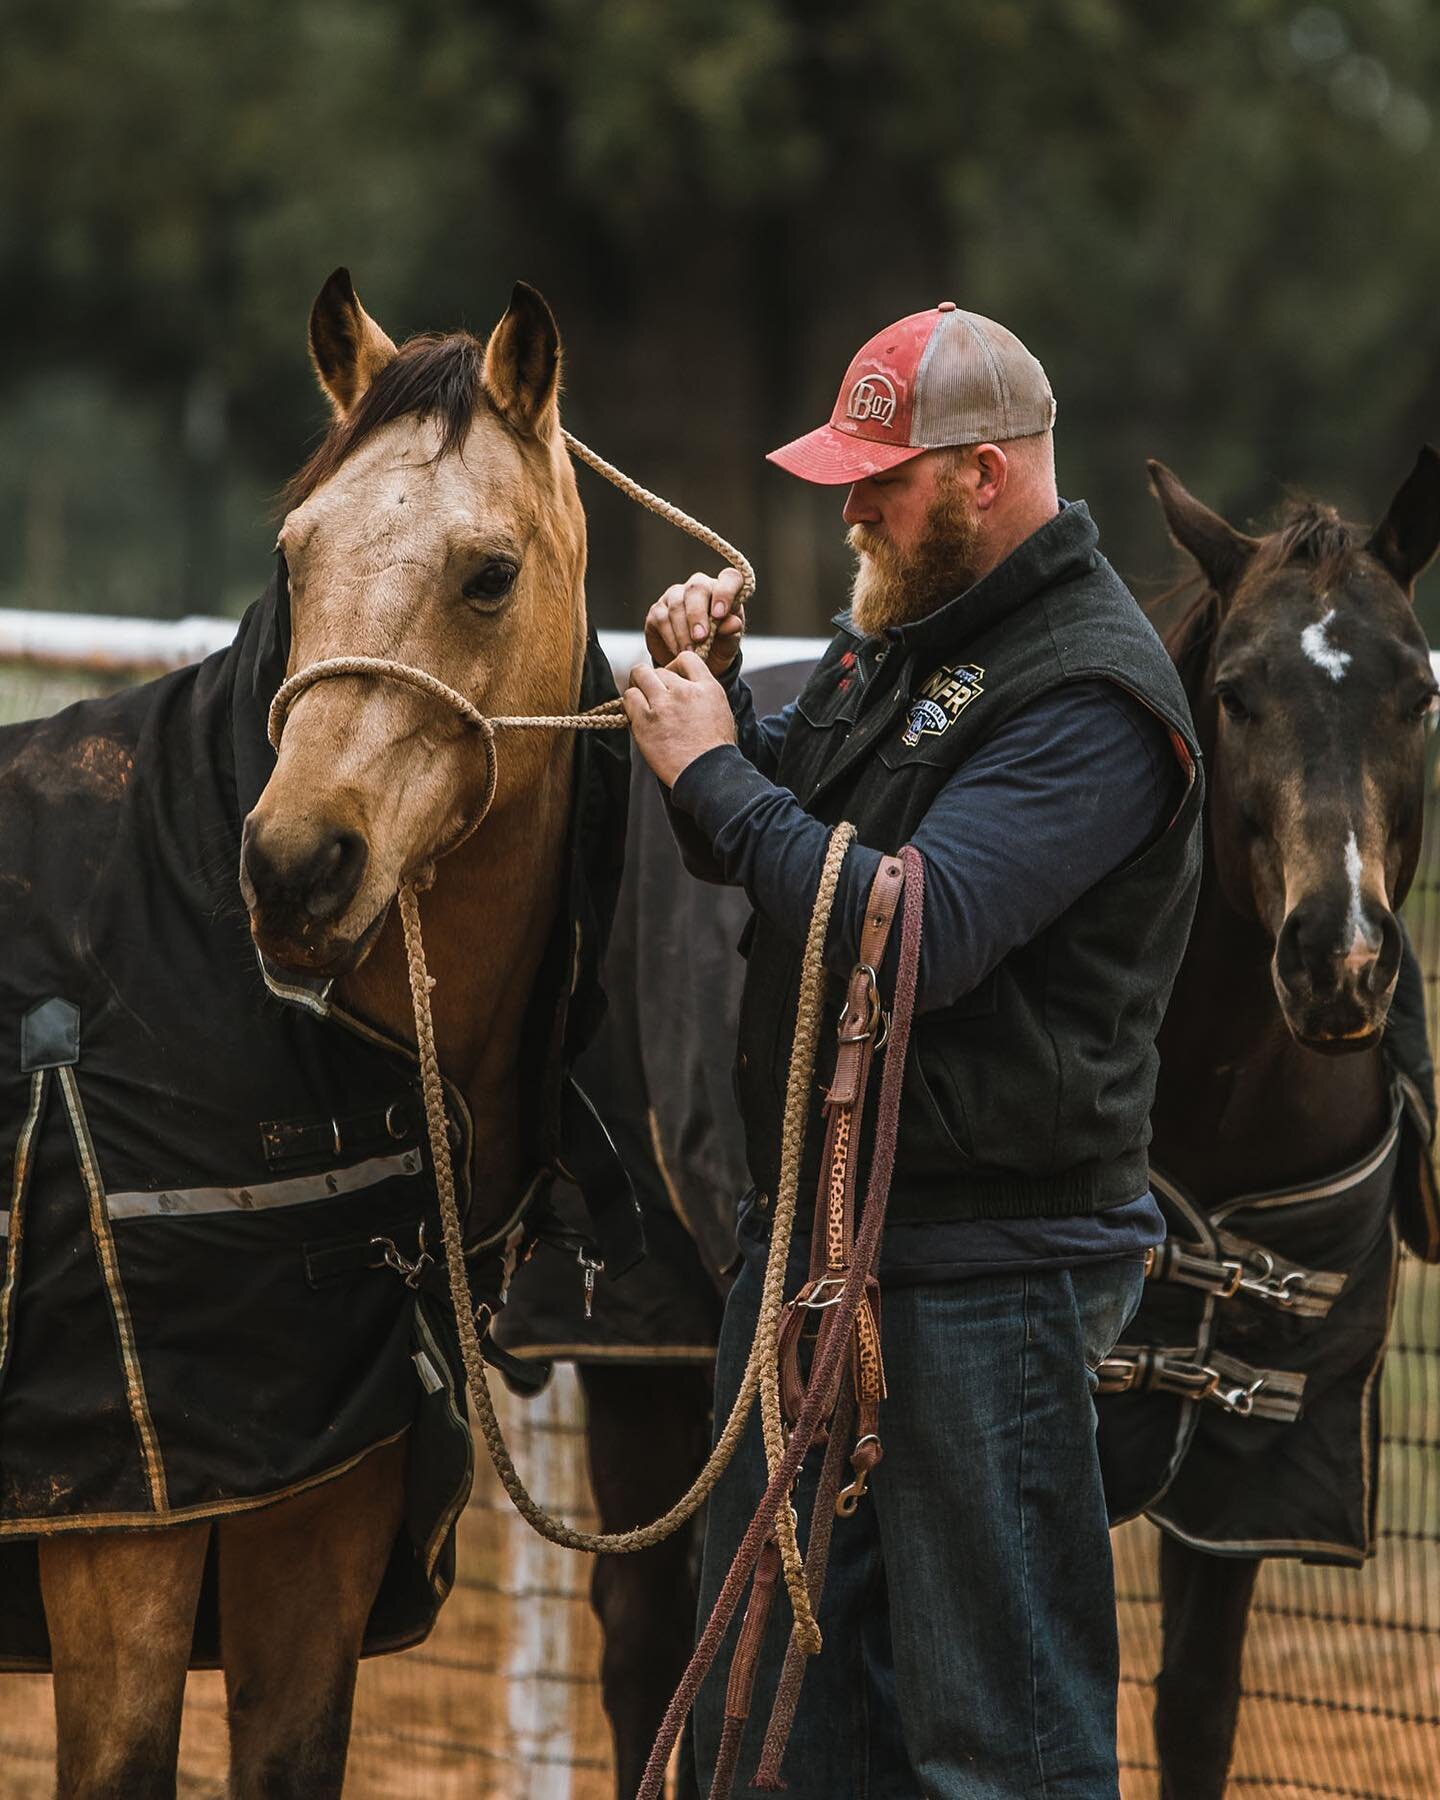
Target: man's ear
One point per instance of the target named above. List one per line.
(1222, 552)
(992, 470)
(1407, 537)
(346, 345)
(522, 363)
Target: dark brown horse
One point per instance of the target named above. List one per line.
(1310, 681)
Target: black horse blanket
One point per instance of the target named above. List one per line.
(1242, 1413)
(218, 1230)
(659, 1071)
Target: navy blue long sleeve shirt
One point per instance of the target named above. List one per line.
(1068, 790)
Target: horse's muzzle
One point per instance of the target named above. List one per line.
(298, 882)
(1334, 997)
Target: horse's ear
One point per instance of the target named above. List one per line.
(1409, 534)
(1222, 552)
(346, 345)
(522, 362)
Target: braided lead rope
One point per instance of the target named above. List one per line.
(668, 511)
(799, 1086)
(763, 1360)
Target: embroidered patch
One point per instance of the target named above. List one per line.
(942, 698)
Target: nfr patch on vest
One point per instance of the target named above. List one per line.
(942, 698)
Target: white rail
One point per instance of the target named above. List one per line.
(105, 644)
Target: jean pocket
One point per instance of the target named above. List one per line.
(1107, 1298)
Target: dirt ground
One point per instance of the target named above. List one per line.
(502, 1703)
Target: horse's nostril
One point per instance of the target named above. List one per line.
(299, 878)
(1314, 958)
(336, 871)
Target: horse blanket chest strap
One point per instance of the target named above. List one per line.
(1240, 1411)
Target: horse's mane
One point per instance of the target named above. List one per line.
(1309, 534)
(438, 375)
(1190, 638)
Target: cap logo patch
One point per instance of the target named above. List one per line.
(942, 698)
(872, 397)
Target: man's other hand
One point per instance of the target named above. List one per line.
(680, 619)
(677, 714)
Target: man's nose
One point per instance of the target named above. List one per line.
(860, 507)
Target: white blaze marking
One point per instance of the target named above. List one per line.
(1358, 933)
(1325, 655)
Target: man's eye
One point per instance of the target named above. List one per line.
(491, 581)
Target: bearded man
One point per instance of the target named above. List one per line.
(996, 698)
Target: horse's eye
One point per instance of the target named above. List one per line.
(1234, 706)
(492, 581)
(1425, 704)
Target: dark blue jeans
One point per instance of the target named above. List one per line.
(969, 1615)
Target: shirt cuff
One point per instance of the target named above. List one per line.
(716, 786)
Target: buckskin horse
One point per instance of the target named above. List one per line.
(230, 1429)
(1291, 1127)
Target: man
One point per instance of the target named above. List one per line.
(996, 698)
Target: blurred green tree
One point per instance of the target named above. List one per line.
(1213, 224)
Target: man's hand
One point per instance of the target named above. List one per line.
(677, 714)
(680, 619)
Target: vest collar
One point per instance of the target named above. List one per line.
(1063, 548)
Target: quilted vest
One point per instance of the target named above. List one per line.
(1030, 1096)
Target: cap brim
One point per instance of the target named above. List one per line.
(832, 458)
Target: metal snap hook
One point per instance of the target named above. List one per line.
(412, 1273)
(592, 1265)
(850, 1497)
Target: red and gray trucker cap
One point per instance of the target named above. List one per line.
(934, 378)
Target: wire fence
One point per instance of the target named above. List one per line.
(1342, 1667)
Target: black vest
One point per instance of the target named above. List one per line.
(1031, 1095)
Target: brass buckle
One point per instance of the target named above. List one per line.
(1118, 1374)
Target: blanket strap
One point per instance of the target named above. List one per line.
(1223, 1381)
